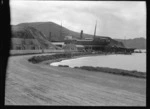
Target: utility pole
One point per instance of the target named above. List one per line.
(61, 30)
(49, 36)
(95, 29)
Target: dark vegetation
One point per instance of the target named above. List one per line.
(63, 66)
(38, 59)
(114, 71)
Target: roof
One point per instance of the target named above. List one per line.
(84, 40)
(57, 42)
(79, 46)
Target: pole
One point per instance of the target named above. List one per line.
(95, 29)
(61, 30)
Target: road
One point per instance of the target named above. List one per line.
(40, 84)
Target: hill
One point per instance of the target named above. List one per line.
(27, 37)
(139, 43)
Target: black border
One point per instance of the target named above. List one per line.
(4, 50)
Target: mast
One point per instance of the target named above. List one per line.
(95, 29)
(61, 30)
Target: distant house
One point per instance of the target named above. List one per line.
(80, 48)
(70, 47)
(59, 44)
(68, 38)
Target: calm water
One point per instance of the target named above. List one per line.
(136, 61)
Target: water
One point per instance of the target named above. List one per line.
(142, 50)
(136, 61)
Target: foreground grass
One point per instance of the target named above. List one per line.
(134, 73)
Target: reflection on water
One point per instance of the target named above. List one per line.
(136, 61)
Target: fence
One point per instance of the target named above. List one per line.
(21, 52)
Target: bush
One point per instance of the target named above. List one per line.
(63, 66)
(37, 59)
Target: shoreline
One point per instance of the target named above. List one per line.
(62, 59)
(115, 71)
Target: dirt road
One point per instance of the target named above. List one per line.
(39, 84)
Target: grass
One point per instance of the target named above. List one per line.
(133, 73)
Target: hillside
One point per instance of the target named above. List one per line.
(28, 37)
(47, 27)
(139, 43)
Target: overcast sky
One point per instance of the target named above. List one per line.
(114, 19)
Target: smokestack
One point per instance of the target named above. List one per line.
(49, 36)
(95, 29)
(81, 34)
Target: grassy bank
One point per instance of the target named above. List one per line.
(133, 73)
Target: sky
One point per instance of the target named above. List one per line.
(116, 19)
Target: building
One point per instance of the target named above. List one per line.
(68, 38)
(59, 44)
(70, 48)
(80, 48)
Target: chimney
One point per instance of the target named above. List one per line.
(95, 29)
(49, 36)
(81, 34)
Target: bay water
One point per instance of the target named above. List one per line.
(136, 61)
